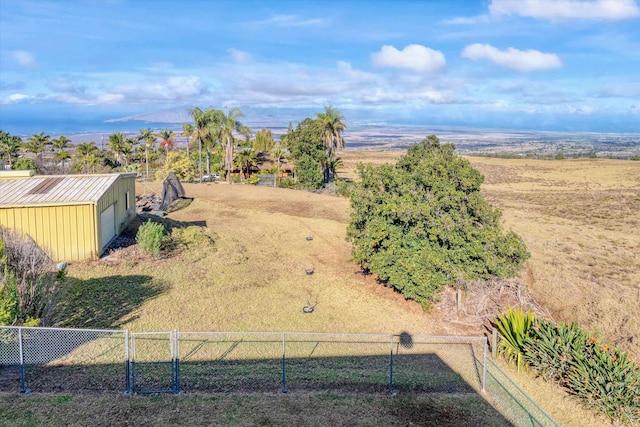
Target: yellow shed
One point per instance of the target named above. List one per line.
(72, 217)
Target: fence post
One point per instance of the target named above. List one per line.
(391, 367)
(484, 364)
(127, 363)
(284, 366)
(176, 361)
(494, 343)
(133, 363)
(23, 388)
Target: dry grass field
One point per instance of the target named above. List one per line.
(578, 218)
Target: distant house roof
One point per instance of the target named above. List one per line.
(50, 190)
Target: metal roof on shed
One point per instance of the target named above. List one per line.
(47, 190)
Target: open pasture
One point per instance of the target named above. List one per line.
(577, 218)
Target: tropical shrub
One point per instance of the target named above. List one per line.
(149, 237)
(24, 163)
(607, 380)
(515, 327)
(421, 224)
(551, 348)
(603, 378)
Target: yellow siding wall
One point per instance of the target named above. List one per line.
(66, 232)
(117, 194)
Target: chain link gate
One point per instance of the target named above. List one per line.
(154, 362)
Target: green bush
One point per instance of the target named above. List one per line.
(149, 237)
(24, 163)
(422, 224)
(28, 289)
(287, 183)
(343, 188)
(515, 327)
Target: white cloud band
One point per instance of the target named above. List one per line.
(514, 59)
(612, 10)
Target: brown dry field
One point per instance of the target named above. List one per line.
(580, 220)
(578, 217)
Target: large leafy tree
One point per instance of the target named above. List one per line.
(9, 147)
(263, 140)
(421, 224)
(307, 151)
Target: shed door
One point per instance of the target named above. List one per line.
(108, 225)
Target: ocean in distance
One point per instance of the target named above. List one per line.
(358, 135)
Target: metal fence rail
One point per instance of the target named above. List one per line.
(51, 359)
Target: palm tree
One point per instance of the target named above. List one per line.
(62, 156)
(199, 131)
(230, 124)
(278, 153)
(61, 143)
(331, 122)
(244, 160)
(36, 144)
(9, 146)
(167, 142)
(148, 138)
(87, 152)
(119, 145)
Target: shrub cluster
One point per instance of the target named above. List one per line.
(602, 377)
(28, 288)
(149, 237)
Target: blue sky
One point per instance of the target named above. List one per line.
(534, 64)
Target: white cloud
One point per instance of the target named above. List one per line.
(514, 59)
(292, 21)
(355, 74)
(15, 98)
(613, 10)
(413, 57)
(239, 56)
(23, 58)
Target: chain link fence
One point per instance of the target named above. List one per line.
(62, 360)
(80, 360)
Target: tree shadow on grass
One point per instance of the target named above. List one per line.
(103, 303)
